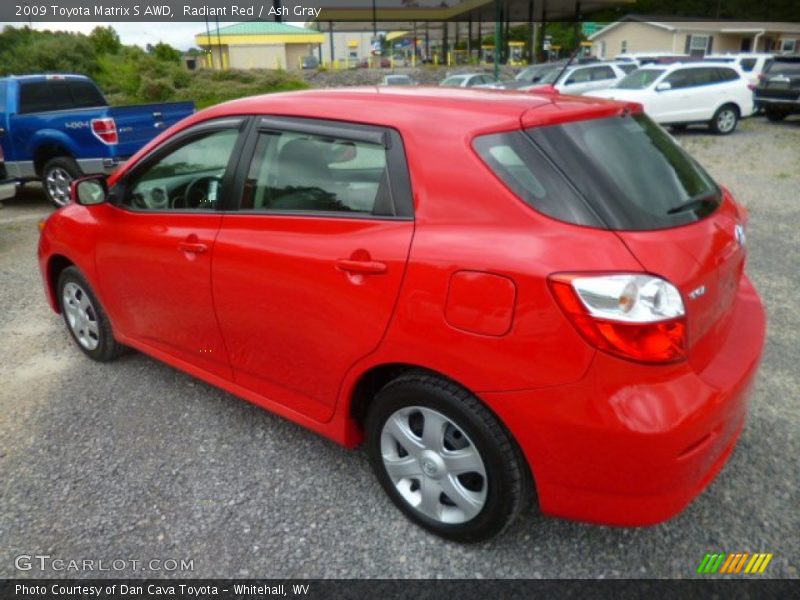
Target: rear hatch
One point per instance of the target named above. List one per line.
(675, 220)
(780, 80)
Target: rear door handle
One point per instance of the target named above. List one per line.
(193, 247)
(364, 267)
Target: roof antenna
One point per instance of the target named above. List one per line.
(569, 62)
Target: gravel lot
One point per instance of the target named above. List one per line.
(135, 460)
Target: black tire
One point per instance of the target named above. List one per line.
(725, 120)
(508, 486)
(776, 115)
(107, 348)
(57, 173)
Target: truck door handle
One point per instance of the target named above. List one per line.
(192, 247)
(363, 267)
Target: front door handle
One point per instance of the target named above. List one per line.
(361, 267)
(193, 247)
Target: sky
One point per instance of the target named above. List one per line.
(179, 35)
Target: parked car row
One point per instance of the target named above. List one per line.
(678, 90)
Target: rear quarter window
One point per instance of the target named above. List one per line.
(532, 177)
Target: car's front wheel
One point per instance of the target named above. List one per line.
(725, 119)
(85, 318)
(444, 459)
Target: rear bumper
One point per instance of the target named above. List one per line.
(634, 444)
(762, 102)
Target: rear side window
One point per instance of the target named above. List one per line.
(727, 75)
(600, 73)
(532, 177)
(42, 96)
(85, 94)
(631, 171)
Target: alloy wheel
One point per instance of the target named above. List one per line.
(58, 183)
(726, 120)
(81, 315)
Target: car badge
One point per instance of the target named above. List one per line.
(741, 236)
(697, 292)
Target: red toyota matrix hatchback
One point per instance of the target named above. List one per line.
(508, 297)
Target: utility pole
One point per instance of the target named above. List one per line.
(498, 37)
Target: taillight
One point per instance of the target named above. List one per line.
(638, 317)
(752, 87)
(105, 130)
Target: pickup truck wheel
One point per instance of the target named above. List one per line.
(776, 115)
(85, 318)
(444, 459)
(725, 119)
(57, 176)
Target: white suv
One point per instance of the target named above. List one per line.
(683, 94)
(581, 78)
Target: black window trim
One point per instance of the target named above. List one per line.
(119, 192)
(396, 163)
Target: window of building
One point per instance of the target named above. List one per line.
(698, 45)
(788, 46)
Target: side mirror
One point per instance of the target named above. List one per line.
(91, 190)
(663, 87)
(569, 81)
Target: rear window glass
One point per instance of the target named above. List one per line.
(777, 67)
(631, 171)
(640, 79)
(528, 173)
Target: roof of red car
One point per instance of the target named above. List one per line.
(417, 111)
(475, 109)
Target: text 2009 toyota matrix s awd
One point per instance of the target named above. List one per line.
(508, 297)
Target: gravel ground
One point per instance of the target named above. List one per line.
(135, 460)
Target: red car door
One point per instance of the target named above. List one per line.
(155, 243)
(306, 272)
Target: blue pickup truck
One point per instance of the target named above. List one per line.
(56, 128)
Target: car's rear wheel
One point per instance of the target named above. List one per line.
(85, 318)
(725, 119)
(444, 459)
(776, 115)
(57, 177)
